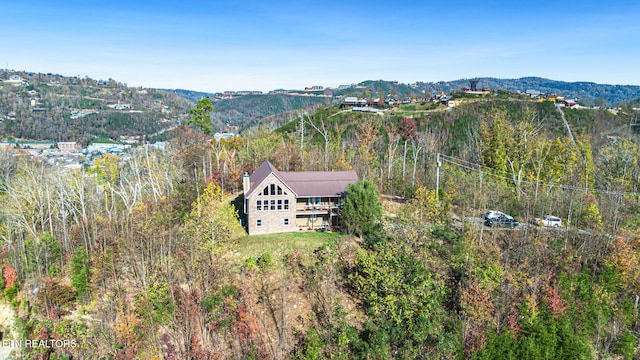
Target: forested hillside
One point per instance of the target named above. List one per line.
(588, 93)
(249, 110)
(146, 258)
(50, 107)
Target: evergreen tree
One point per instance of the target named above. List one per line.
(362, 212)
(80, 271)
(201, 115)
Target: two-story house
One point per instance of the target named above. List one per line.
(279, 201)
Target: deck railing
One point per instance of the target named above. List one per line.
(316, 208)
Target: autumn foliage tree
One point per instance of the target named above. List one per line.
(212, 218)
(142, 256)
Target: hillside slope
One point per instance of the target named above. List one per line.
(145, 258)
(53, 107)
(587, 92)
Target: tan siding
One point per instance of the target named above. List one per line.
(300, 214)
(272, 220)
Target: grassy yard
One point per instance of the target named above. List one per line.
(281, 244)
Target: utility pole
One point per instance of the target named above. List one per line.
(302, 132)
(438, 164)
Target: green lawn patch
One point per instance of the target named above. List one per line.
(283, 243)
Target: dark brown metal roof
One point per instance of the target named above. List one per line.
(261, 173)
(319, 183)
(305, 183)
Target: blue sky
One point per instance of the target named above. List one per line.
(263, 45)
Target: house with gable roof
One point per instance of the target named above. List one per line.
(279, 201)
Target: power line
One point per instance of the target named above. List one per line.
(475, 167)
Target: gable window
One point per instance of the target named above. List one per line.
(286, 204)
(259, 205)
(279, 204)
(272, 189)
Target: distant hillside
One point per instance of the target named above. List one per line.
(248, 110)
(52, 107)
(274, 109)
(588, 93)
(379, 88)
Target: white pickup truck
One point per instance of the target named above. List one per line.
(548, 220)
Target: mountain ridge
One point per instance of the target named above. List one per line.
(52, 106)
(588, 92)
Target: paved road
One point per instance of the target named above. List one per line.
(479, 222)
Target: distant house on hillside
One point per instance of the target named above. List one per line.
(533, 93)
(279, 201)
(226, 135)
(68, 146)
(120, 106)
(353, 101)
(444, 99)
(15, 80)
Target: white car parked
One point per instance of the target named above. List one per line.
(548, 220)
